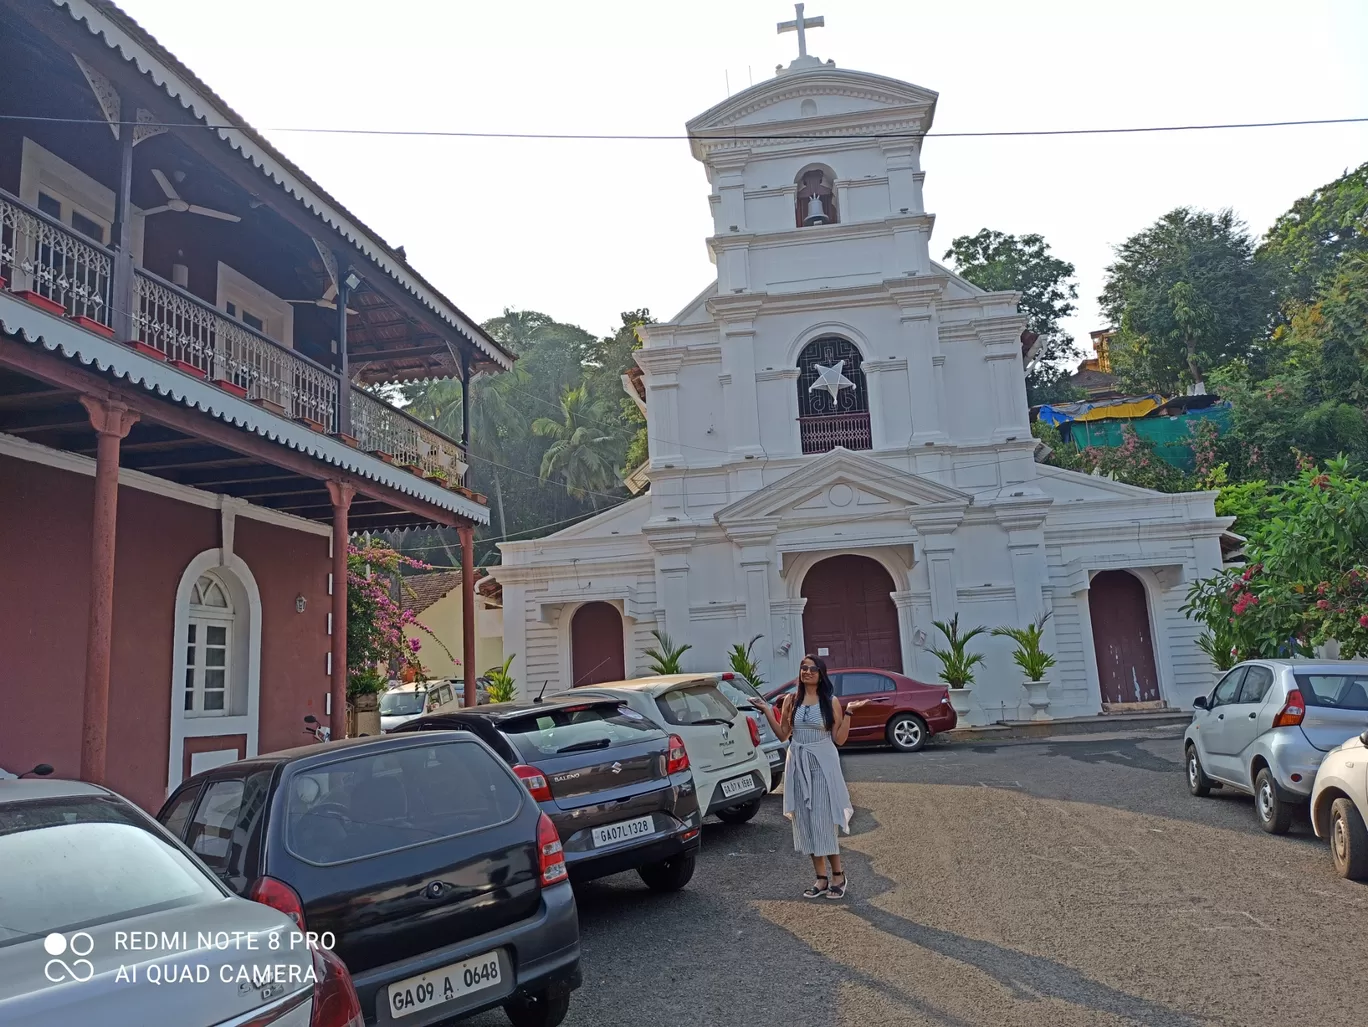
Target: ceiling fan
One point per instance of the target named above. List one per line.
(328, 301)
(180, 206)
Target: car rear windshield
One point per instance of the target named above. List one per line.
(402, 704)
(738, 691)
(57, 856)
(694, 704)
(1334, 691)
(552, 731)
(379, 802)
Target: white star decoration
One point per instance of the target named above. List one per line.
(831, 379)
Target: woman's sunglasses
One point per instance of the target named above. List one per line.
(808, 668)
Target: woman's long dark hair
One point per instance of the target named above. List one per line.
(826, 691)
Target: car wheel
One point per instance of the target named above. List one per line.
(544, 1009)
(907, 732)
(1198, 783)
(1275, 816)
(668, 875)
(739, 814)
(1348, 841)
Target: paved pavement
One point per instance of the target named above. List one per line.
(1054, 882)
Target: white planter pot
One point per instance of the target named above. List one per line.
(959, 699)
(1038, 697)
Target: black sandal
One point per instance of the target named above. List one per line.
(837, 891)
(815, 892)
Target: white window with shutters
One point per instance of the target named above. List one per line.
(208, 649)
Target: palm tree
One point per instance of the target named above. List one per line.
(583, 449)
(491, 416)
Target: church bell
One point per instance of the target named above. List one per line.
(816, 213)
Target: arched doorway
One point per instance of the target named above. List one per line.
(850, 613)
(596, 652)
(1122, 638)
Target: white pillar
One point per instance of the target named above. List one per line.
(907, 628)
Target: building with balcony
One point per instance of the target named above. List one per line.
(841, 454)
(192, 333)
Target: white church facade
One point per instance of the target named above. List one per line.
(840, 450)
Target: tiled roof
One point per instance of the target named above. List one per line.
(422, 590)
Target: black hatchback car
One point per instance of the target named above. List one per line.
(616, 786)
(443, 887)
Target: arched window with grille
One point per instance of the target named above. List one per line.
(833, 403)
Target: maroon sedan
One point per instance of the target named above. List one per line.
(902, 712)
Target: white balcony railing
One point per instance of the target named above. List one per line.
(73, 276)
(39, 255)
(379, 427)
(184, 328)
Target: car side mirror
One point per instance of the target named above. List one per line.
(1200, 703)
(1364, 738)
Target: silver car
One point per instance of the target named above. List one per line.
(1266, 727)
(740, 692)
(106, 919)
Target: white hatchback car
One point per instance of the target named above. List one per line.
(1339, 807)
(730, 771)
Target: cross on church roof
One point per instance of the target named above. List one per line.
(801, 25)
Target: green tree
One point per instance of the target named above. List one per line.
(1307, 244)
(999, 262)
(582, 445)
(1188, 297)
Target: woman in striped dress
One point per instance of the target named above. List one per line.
(815, 796)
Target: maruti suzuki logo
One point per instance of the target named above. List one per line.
(616, 768)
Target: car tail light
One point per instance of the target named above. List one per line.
(278, 895)
(679, 756)
(335, 1002)
(728, 676)
(1293, 711)
(549, 853)
(535, 781)
(754, 730)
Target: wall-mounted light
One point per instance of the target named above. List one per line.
(300, 603)
(352, 280)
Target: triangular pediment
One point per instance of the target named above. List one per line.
(835, 93)
(841, 484)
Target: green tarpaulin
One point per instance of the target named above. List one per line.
(1171, 436)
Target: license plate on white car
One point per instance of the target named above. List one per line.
(611, 834)
(445, 985)
(737, 786)
(773, 756)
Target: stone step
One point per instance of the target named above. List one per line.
(1101, 723)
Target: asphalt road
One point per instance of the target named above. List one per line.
(1051, 882)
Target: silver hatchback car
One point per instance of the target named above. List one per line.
(1266, 726)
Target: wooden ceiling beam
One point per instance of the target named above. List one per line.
(397, 354)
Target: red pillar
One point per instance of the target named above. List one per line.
(467, 534)
(111, 422)
(341, 502)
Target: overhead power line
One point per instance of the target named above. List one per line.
(730, 136)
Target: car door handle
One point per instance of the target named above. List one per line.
(1220, 716)
(1253, 715)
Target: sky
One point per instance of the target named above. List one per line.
(582, 230)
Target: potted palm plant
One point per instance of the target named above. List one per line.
(957, 663)
(743, 663)
(1033, 661)
(501, 686)
(666, 658)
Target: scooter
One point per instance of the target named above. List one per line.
(313, 727)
